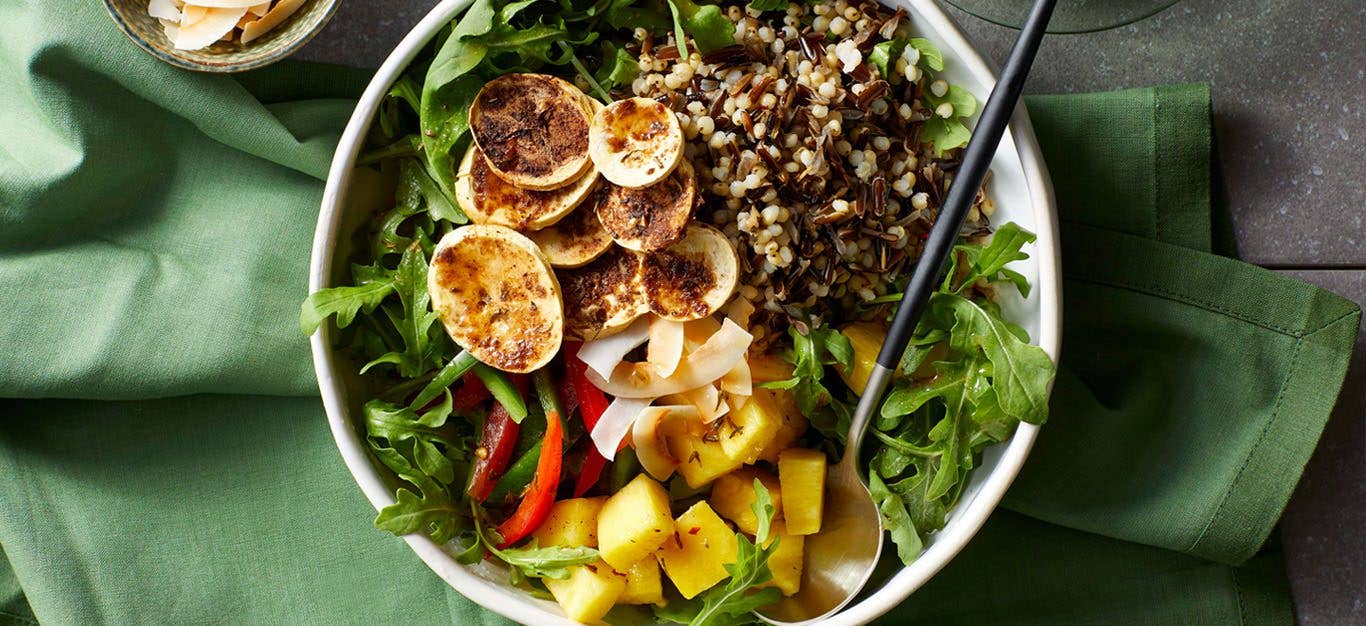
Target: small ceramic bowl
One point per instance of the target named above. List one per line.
(278, 43)
(1019, 184)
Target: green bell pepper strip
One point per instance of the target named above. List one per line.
(445, 378)
(624, 468)
(503, 391)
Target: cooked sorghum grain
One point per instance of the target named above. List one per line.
(807, 158)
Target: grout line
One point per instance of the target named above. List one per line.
(1344, 267)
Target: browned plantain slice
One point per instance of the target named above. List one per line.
(650, 218)
(488, 199)
(692, 278)
(533, 129)
(635, 142)
(497, 297)
(576, 239)
(604, 296)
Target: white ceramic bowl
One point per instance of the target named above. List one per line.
(1019, 185)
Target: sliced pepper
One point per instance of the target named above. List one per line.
(469, 394)
(495, 447)
(592, 403)
(535, 506)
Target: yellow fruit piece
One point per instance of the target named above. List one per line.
(589, 592)
(791, 427)
(643, 584)
(767, 368)
(695, 557)
(786, 560)
(633, 522)
(866, 338)
(572, 522)
(732, 496)
(747, 431)
(801, 474)
(701, 459)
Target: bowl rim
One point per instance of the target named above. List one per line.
(229, 67)
(964, 524)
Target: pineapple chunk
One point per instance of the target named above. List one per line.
(786, 561)
(866, 338)
(633, 522)
(746, 432)
(791, 427)
(572, 522)
(589, 592)
(695, 557)
(767, 368)
(642, 584)
(701, 459)
(733, 497)
(801, 475)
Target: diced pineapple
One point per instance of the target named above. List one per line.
(589, 592)
(572, 522)
(792, 426)
(643, 584)
(767, 368)
(866, 338)
(695, 557)
(732, 496)
(633, 522)
(801, 475)
(701, 459)
(747, 431)
(786, 561)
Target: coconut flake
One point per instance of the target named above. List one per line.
(279, 13)
(738, 380)
(215, 24)
(710, 361)
(259, 10)
(604, 355)
(706, 399)
(648, 434)
(615, 422)
(163, 10)
(666, 346)
(223, 4)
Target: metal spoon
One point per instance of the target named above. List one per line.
(842, 556)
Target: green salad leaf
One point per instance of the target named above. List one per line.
(986, 379)
(930, 57)
(769, 5)
(709, 27)
(343, 302)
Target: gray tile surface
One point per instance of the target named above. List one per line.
(1287, 78)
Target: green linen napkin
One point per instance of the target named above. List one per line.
(154, 230)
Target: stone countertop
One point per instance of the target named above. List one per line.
(1288, 80)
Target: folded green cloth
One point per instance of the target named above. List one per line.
(154, 230)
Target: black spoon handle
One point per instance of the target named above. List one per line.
(976, 161)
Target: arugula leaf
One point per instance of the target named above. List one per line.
(433, 514)
(628, 14)
(414, 319)
(769, 5)
(945, 134)
(963, 102)
(549, 562)
(990, 261)
(1021, 373)
(709, 27)
(896, 519)
(885, 55)
(343, 302)
(619, 67)
(930, 57)
(734, 602)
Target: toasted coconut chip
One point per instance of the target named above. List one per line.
(738, 381)
(604, 296)
(709, 362)
(164, 10)
(533, 129)
(707, 399)
(212, 27)
(277, 14)
(665, 348)
(605, 354)
(651, 218)
(693, 278)
(615, 423)
(651, 426)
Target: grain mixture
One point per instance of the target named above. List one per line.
(809, 158)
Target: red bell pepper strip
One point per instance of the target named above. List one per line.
(495, 447)
(592, 403)
(469, 394)
(540, 495)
